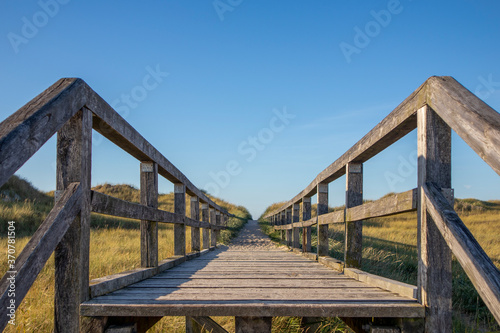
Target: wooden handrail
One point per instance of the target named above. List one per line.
(39, 249)
(108, 205)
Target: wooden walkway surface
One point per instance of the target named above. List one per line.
(252, 281)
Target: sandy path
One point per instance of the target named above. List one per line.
(252, 238)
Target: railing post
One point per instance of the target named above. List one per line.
(195, 232)
(213, 233)
(206, 231)
(217, 222)
(322, 194)
(180, 229)
(149, 229)
(306, 232)
(282, 222)
(296, 230)
(434, 265)
(74, 144)
(288, 215)
(353, 230)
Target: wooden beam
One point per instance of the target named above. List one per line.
(149, 229)
(484, 275)
(434, 271)
(105, 204)
(26, 130)
(397, 287)
(39, 249)
(180, 229)
(332, 218)
(472, 119)
(353, 253)
(389, 205)
(322, 208)
(71, 257)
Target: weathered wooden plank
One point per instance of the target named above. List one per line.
(332, 218)
(472, 119)
(397, 287)
(353, 230)
(252, 294)
(26, 130)
(149, 229)
(386, 206)
(276, 283)
(479, 268)
(332, 263)
(105, 204)
(401, 121)
(434, 269)
(39, 249)
(256, 308)
(71, 256)
(322, 208)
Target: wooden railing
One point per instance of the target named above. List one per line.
(72, 109)
(438, 106)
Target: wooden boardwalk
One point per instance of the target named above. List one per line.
(252, 281)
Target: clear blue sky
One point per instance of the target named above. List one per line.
(234, 65)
